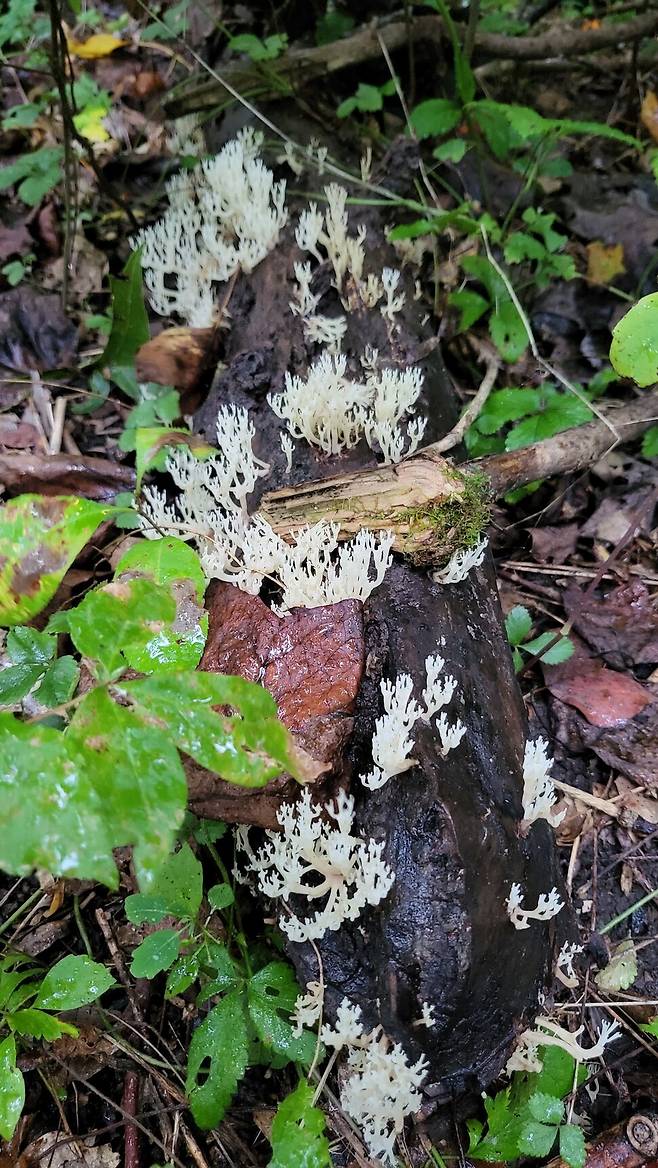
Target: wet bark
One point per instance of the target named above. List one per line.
(451, 825)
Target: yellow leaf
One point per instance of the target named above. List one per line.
(649, 114)
(89, 122)
(101, 44)
(604, 261)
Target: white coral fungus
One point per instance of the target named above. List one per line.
(548, 1033)
(548, 906)
(381, 1087)
(461, 563)
(322, 863)
(241, 549)
(427, 1015)
(392, 743)
(333, 411)
(564, 970)
(308, 1007)
(223, 217)
(539, 795)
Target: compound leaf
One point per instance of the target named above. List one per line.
(217, 1060)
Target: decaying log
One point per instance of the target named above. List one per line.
(450, 826)
(302, 64)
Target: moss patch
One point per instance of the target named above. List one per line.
(436, 533)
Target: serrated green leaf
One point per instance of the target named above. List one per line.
(16, 681)
(508, 405)
(183, 973)
(130, 326)
(125, 613)
(508, 331)
(563, 412)
(143, 909)
(470, 305)
(561, 651)
(536, 1139)
(59, 682)
(557, 1074)
(434, 117)
(621, 970)
(217, 1060)
(27, 646)
(40, 536)
(572, 1145)
(519, 247)
(451, 151)
(156, 953)
(298, 1139)
(51, 811)
(32, 1023)
(546, 1108)
(634, 348)
(503, 1129)
(137, 775)
(247, 750)
(167, 561)
(651, 1027)
(179, 883)
(271, 994)
(220, 896)
(12, 1089)
(518, 624)
(73, 982)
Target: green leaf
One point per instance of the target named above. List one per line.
(298, 1132)
(572, 1145)
(519, 247)
(561, 651)
(634, 348)
(141, 908)
(451, 151)
(518, 624)
(557, 1074)
(536, 1139)
(471, 307)
(227, 974)
(124, 614)
(168, 561)
(35, 173)
(40, 536)
(179, 883)
(16, 681)
(73, 982)
(183, 973)
(503, 1130)
(220, 896)
(650, 1027)
(546, 1108)
(229, 745)
(508, 331)
(562, 411)
(12, 1089)
(33, 1023)
(332, 26)
(26, 646)
(130, 326)
(59, 682)
(434, 117)
(508, 405)
(217, 1060)
(156, 953)
(367, 99)
(271, 994)
(621, 970)
(137, 778)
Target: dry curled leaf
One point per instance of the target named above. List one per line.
(649, 114)
(622, 625)
(175, 357)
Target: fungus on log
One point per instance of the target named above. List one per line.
(450, 825)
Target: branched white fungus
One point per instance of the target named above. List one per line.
(539, 795)
(308, 1007)
(185, 136)
(548, 906)
(223, 217)
(321, 863)
(390, 281)
(315, 570)
(427, 1015)
(288, 448)
(381, 1088)
(450, 734)
(548, 1033)
(460, 564)
(564, 970)
(438, 690)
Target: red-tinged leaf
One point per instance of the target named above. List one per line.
(622, 626)
(606, 698)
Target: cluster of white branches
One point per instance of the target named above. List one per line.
(224, 216)
(548, 906)
(334, 411)
(381, 1088)
(211, 509)
(316, 859)
(392, 742)
(461, 563)
(539, 794)
(548, 1033)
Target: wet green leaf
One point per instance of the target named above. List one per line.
(129, 613)
(59, 682)
(272, 993)
(40, 536)
(130, 326)
(634, 348)
(572, 1145)
(167, 561)
(156, 953)
(434, 117)
(33, 1023)
(518, 624)
(220, 896)
(179, 883)
(298, 1132)
(217, 1060)
(536, 1139)
(73, 982)
(12, 1089)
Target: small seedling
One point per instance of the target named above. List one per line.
(518, 626)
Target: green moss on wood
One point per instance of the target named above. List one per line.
(437, 532)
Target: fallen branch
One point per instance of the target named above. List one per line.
(62, 474)
(300, 65)
(421, 499)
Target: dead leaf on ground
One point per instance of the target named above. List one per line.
(100, 44)
(64, 474)
(60, 1151)
(312, 663)
(649, 114)
(17, 435)
(630, 220)
(606, 698)
(15, 240)
(621, 971)
(631, 749)
(604, 261)
(34, 332)
(634, 800)
(622, 626)
(175, 357)
(554, 544)
(48, 228)
(613, 517)
(89, 266)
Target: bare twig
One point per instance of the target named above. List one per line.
(474, 407)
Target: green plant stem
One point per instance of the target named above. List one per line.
(628, 911)
(21, 910)
(234, 909)
(81, 926)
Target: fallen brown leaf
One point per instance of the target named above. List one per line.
(606, 698)
(34, 332)
(175, 357)
(14, 240)
(631, 749)
(604, 261)
(554, 544)
(622, 626)
(649, 114)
